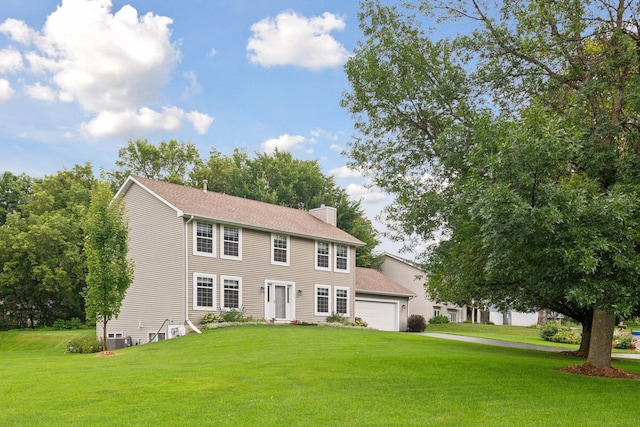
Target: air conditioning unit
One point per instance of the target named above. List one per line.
(175, 331)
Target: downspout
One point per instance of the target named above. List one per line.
(186, 277)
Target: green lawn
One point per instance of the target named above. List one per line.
(302, 376)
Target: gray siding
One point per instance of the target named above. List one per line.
(256, 270)
(156, 243)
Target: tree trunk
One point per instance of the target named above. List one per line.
(585, 341)
(104, 335)
(601, 338)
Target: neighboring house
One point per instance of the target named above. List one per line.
(514, 318)
(411, 277)
(198, 252)
(380, 301)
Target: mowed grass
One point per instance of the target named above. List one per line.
(302, 376)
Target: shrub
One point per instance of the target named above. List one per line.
(337, 318)
(232, 316)
(211, 318)
(84, 345)
(439, 319)
(567, 336)
(358, 321)
(416, 323)
(548, 330)
(75, 323)
(623, 342)
(60, 324)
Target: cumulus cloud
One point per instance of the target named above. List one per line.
(41, 92)
(284, 142)
(345, 172)
(292, 39)
(10, 61)
(368, 195)
(122, 123)
(113, 64)
(6, 93)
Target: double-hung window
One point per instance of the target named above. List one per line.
(279, 249)
(204, 291)
(231, 242)
(204, 238)
(341, 296)
(323, 256)
(231, 293)
(342, 258)
(322, 301)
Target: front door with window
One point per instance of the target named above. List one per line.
(279, 304)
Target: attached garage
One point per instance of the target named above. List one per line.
(382, 315)
(380, 301)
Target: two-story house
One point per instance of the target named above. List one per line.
(197, 251)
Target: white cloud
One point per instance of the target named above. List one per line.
(284, 142)
(213, 52)
(10, 61)
(114, 65)
(357, 192)
(41, 92)
(6, 93)
(18, 31)
(336, 147)
(109, 124)
(200, 121)
(292, 39)
(194, 87)
(345, 172)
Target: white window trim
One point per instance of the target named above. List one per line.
(328, 255)
(195, 239)
(335, 299)
(222, 254)
(315, 300)
(335, 256)
(273, 237)
(222, 306)
(195, 292)
(112, 335)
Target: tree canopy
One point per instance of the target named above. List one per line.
(513, 145)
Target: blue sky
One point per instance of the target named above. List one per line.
(80, 78)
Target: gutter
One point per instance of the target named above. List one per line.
(186, 277)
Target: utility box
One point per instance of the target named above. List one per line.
(115, 343)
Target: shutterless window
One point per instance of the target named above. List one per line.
(280, 249)
(342, 300)
(342, 257)
(204, 238)
(322, 300)
(231, 242)
(452, 316)
(322, 255)
(204, 292)
(230, 293)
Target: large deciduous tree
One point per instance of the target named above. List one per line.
(514, 145)
(109, 271)
(42, 268)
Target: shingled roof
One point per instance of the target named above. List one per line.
(189, 201)
(372, 281)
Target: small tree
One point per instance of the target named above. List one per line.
(109, 271)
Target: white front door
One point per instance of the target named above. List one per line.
(279, 301)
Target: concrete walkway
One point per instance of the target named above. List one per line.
(500, 343)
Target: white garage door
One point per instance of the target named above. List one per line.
(378, 314)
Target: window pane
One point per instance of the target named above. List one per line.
(204, 292)
(204, 241)
(280, 248)
(322, 300)
(231, 241)
(231, 293)
(323, 255)
(341, 257)
(341, 301)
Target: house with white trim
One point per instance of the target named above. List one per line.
(198, 252)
